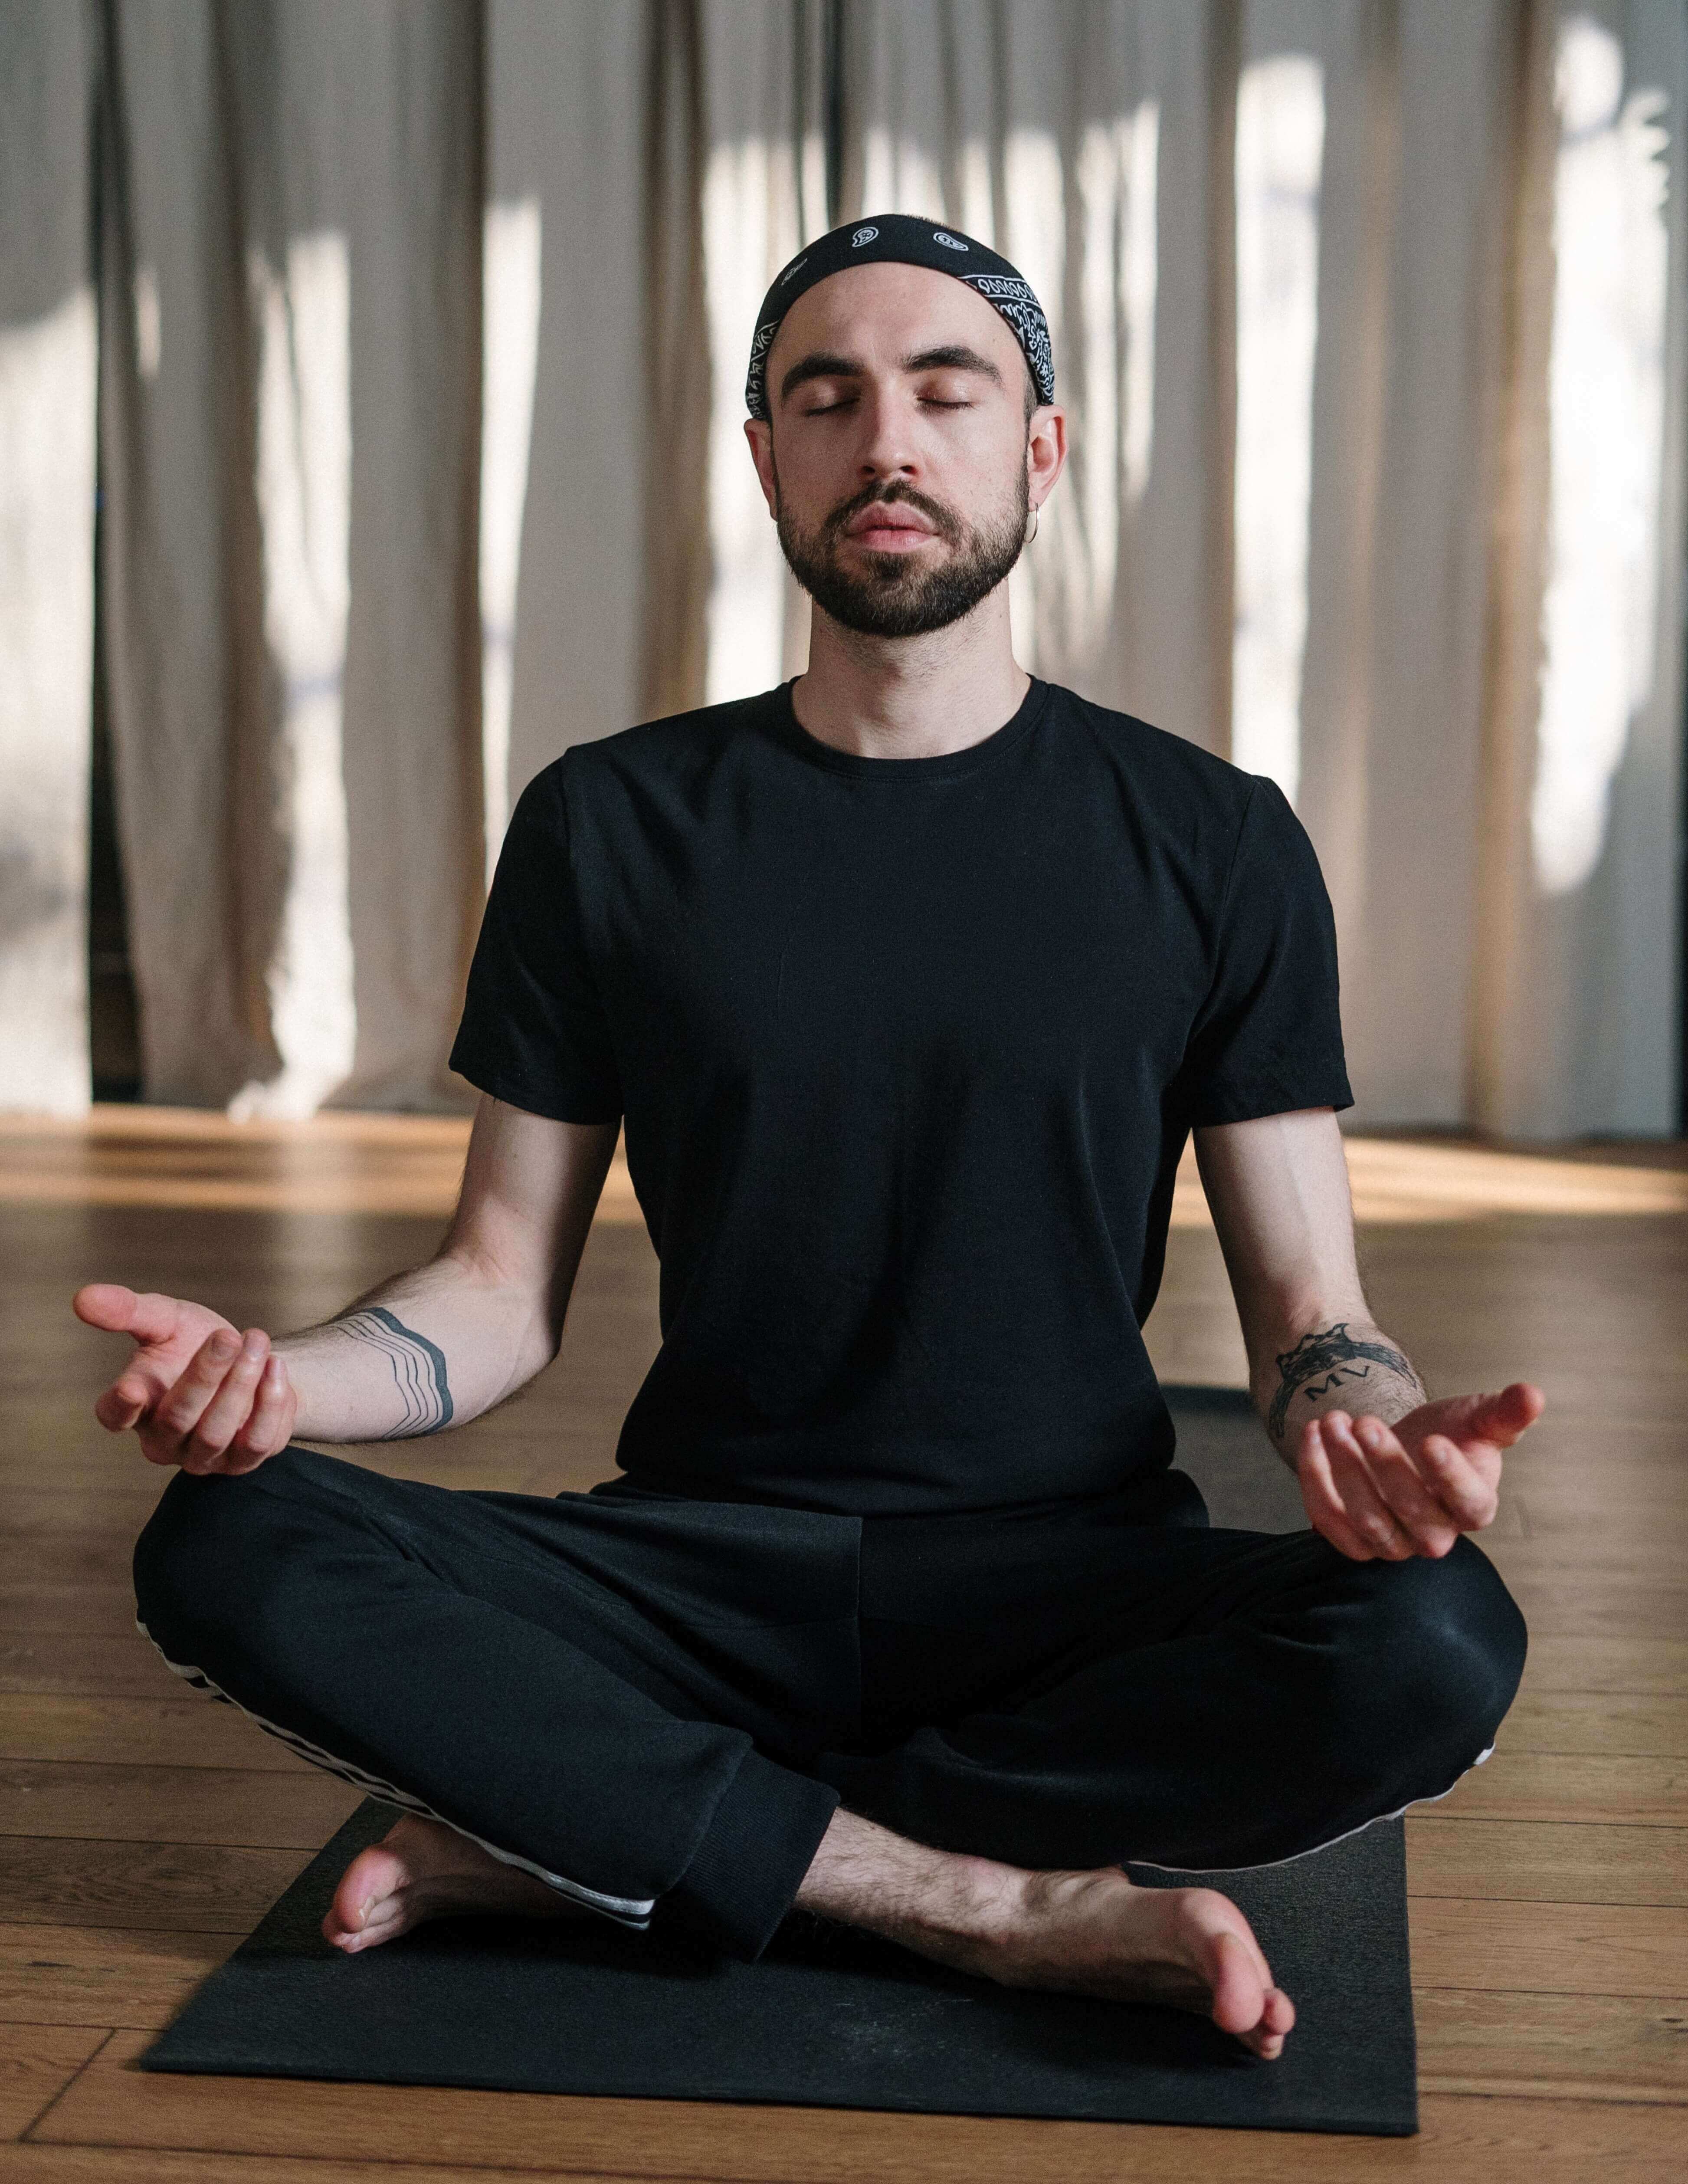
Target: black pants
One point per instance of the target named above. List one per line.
(656, 1704)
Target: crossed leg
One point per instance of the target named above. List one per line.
(1085, 1932)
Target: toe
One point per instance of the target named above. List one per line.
(1238, 1991)
(372, 1877)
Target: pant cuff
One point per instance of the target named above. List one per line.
(745, 1874)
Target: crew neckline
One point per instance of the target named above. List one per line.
(942, 766)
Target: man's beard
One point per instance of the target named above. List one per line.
(894, 596)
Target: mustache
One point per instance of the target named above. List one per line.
(940, 518)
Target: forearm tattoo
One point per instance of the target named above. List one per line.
(1329, 1359)
(418, 1370)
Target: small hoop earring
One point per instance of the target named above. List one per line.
(1032, 526)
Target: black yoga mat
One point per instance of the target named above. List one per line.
(832, 2018)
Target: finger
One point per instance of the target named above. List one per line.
(119, 1406)
(1413, 1504)
(230, 1405)
(149, 1318)
(1469, 1497)
(181, 1409)
(1322, 1503)
(1362, 1505)
(266, 1431)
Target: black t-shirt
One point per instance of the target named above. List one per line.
(907, 1050)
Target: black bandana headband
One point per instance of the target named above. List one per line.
(898, 239)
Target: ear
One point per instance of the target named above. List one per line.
(1045, 451)
(760, 434)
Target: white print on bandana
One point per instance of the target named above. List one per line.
(949, 241)
(862, 235)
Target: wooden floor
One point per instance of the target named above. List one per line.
(143, 1831)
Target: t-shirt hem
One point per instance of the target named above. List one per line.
(1255, 1098)
(553, 1106)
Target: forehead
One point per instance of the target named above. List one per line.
(883, 313)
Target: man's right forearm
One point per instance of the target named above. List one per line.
(428, 1350)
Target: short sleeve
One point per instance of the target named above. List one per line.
(1268, 1037)
(534, 1032)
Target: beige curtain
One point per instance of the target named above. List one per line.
(422, 328)
(47, 534)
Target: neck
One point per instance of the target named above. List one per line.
(911, 697)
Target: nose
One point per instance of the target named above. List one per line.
(888, 446)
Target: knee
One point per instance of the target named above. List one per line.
(1443, 1653)
(201, 1558)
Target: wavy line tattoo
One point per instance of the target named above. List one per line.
(418, 1370)
(1337, 1354)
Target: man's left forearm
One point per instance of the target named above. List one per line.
(1339, 1364)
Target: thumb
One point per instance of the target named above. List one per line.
(109, 1305)
(1504, 1417)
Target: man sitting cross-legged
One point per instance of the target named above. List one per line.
(908, 982)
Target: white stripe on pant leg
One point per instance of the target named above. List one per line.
(626, 1910)
(1435, 1798)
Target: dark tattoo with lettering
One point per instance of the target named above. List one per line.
(418, 1370)
(1327, 1360)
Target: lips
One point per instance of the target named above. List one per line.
(884, 524)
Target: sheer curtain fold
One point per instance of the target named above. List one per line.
(568, 120)
(48, 345)
(292, 457)
(1576, 1023)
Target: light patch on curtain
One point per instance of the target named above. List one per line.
(1109, 363)
(509, 335)
(900, 175)
(305, 467)
(47, 524)
(754, 207)
(1279, 158)
(149, 324)
(1035, 201)
(1606, 411)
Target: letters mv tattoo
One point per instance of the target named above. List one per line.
(1327, 1352)
(418, 1370)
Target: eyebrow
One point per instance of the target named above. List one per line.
(831, 364)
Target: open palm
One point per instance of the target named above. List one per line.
(195, 1391)
(1412, 1488)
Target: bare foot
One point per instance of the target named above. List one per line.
(424, 1870)
(1099, 1933)
(1081, 1933)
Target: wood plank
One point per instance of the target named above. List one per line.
(1549, 1949)
(74, 1663)
(172, 1804)
(149, 1886)
(195, 1730)
(32, 2162)
(1464, 2141)
(1556, 1785)
(100, 1611)
(1637, 1725)
(1586, 2046)
(1597, 1604)
(98, 1557)
(1621, 1496)
(102, 1975)
(1643, 1553)
(1526, 1862)
(37, 2062)
(1652, 1664)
